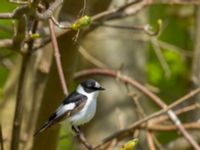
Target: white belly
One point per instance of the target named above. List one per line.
(85, 115)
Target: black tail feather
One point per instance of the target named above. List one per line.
(45, 126)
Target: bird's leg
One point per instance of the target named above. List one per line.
(76, 129)
(81, 137)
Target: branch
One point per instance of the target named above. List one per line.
(178, 112)
(181, 143)
(91, 58)
(49, 12)
(19, 99)
(26, 9)
(57, 57)
(150, 140)
(17, 13)
(6, 43)
(19, 104)
(160, 57)
(158, 127)
(114, 12)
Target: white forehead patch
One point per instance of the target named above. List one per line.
(97, 84)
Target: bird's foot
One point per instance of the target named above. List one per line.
(76, 129)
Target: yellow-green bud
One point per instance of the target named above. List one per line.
(81, 23)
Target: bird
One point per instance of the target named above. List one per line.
(79, 107)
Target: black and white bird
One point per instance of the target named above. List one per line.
(79, 107)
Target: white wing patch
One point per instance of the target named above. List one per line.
(64, 108)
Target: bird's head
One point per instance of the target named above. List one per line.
(90, 86)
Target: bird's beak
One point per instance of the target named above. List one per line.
(100, 88)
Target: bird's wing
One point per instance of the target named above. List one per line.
(71, 104)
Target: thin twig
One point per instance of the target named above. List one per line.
(144, 28)
(178, 112)
(169, 127)
(19, 104)
(160, 57)
(141, 112)
(150, 140)
(91, 58)
(174, 48)
(49, 12)
(6, 43)
(139, 109)
(19, 99)
(157, 143)
(57, 57)
(149, 134)
(17, 13)
(108, 13)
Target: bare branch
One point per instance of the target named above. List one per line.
(114, 12)
(158, 127)
(19, 105)
(161, 58)
(49, 12)
(19, 99)
(150, 140)
(17, 13)
(91, 58)
(57, 57)
(6, 43)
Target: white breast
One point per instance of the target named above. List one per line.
(88, 111)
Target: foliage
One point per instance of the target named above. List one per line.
(178, 64)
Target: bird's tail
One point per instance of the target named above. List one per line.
(45, 126)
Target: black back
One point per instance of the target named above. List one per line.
(74, 97)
